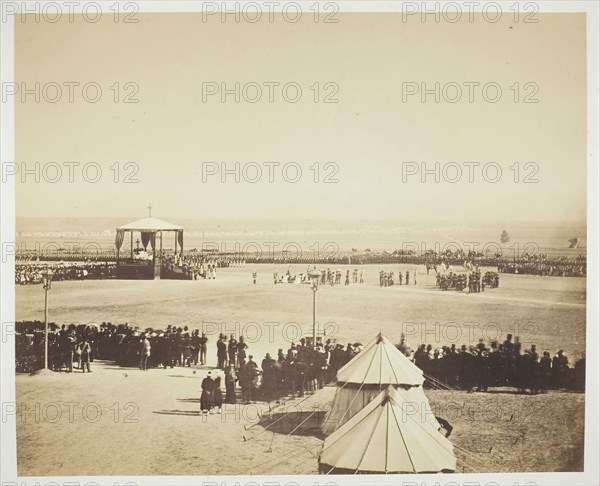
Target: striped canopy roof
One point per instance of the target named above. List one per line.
(380, 363)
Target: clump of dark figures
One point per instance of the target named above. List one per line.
(506, 364)
(299, 370)
(473, 281)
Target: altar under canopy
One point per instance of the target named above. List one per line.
(147, 263)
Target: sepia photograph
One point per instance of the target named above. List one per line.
(299, 243)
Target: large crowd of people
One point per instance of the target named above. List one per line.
(300, 369)
(503, 364)
(553, 268)
(31, 273)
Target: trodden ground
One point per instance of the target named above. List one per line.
(129, 422)
(547, 311)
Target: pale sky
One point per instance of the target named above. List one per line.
(369, 133)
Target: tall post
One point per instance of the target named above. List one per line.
(314, 329)
(45, 326)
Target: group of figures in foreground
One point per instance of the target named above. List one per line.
(299, 369)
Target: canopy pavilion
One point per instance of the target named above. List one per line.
(145, 263)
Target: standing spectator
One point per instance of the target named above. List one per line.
(545, 371)
(86, 350)
(203, 340)
(145, 354)
(232, 348)
(230, 379)
(241, 355)
(207, 400)
(221, 352)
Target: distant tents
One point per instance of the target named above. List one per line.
(379, 364)
(385, 437)
(573, 242)
(380, 420)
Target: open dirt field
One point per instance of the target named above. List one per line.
(547, 311)
(129, 422)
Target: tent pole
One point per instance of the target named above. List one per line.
(154, 253)
(131, 233)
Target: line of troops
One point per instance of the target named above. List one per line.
(328, 276)
(194, 266)
(31, 273)
(472, 281)
(386, 279)
(500, 365)
(334, 277)
(553, 269)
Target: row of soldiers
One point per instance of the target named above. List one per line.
(499, 365)
(31, 273)
(545, 268)
(386, 279)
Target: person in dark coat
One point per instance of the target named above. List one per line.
(241, 355)
(560, 365)
(232, 348)
(545, 371)
(203, 340)
(230, 379)
(269, 382)
(247, 375)
(207, 399)
(218, 395)
(221, 353)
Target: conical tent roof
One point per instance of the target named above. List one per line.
(380, 362)
(384, 437)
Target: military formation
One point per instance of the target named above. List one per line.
(560, 267)
(472, 280)
(388, 279)
(31, 273)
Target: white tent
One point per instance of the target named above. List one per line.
(386, 437)
(381, 362)
(378, 365)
